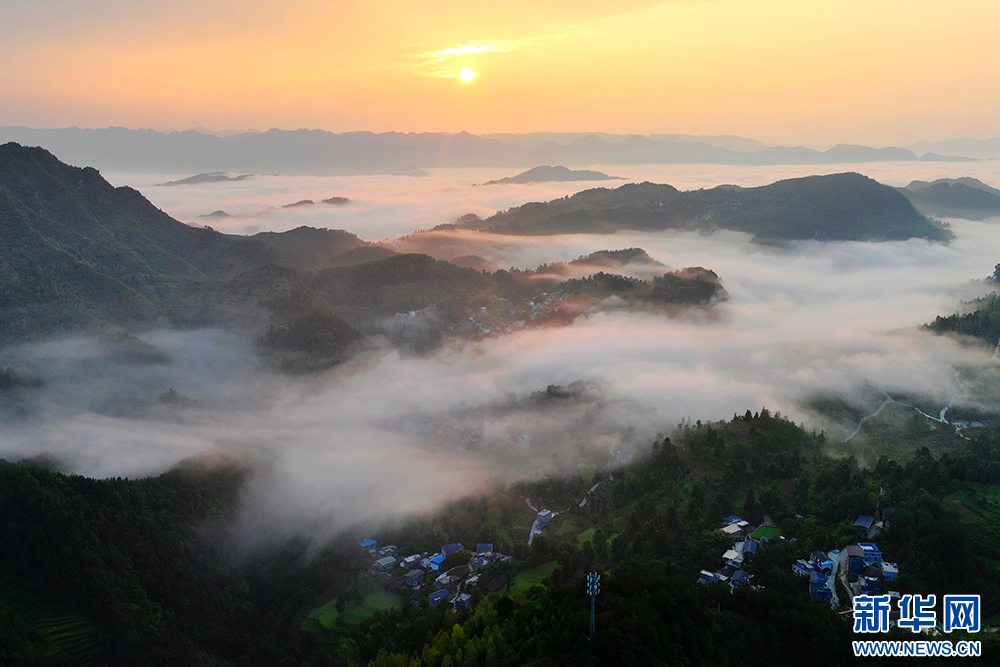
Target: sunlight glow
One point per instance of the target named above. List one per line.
(467, 75)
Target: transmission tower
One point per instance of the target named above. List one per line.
(593, 588)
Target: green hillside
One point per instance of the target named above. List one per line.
(960, 198)
(76, 250)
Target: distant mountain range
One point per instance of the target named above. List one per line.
(546, 173)
(320, 152)
(983, 149)
(835, 207)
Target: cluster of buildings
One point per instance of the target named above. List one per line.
(744, 546)
(864, 561)
(501, 316)
(860, 567)
(421, 574)
(820, 570)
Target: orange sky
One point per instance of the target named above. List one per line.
(879, 72)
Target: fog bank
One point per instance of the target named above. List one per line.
(390, 434)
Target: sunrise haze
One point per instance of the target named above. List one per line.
(818, 73)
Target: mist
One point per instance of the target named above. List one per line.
(388, 206)
(390, 435)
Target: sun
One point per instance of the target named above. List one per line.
(467, 75)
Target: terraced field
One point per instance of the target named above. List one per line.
(74, 639)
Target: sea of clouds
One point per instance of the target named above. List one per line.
(337, 449)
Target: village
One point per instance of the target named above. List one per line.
(440, 578)
(859, 567)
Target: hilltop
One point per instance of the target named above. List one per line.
(838, 207)
(546, 173)
(310, 249)
(210, 177)
(964, 197)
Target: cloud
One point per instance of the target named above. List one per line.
(391, 434)
(433, 63)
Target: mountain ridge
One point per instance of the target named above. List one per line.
(964, 197)
(835, 207)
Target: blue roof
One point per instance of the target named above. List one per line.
(367, 543)
(448, 548)
(484, 547)
(437, 559)
(437, 595)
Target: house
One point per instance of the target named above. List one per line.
(821, 561)
(542, 518)
(737, 530)
(872, 554)
(732, 529)
(731, 519)
(411, 561)
(368, 545)
(462, 601)
(869, 585)
(472, 581)
(803, 568)
(388, 550)
(740, 578)
(444, 581)
(864, 523)
(855, 559)
(449, 548)
(749, 547)
(733, 557)
(432, 562)
(414, 578)
(890, 571)
(436, 597)
(483, 548)
(385, 564)
(819, 588)
(711, 577)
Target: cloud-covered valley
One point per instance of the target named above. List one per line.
(390, 434)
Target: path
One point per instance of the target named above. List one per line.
(940, 419)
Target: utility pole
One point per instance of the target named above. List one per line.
(593, 588)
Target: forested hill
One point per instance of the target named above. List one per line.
(76, 249)
(142, 572)
(964, 197)
(311, 249)
(836, 207)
